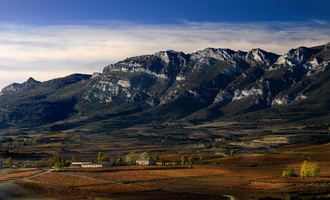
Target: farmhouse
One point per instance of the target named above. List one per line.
(91, 164)
(145, 161)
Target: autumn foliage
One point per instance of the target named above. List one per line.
(310, 169)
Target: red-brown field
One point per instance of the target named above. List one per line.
(244, 177)
(14, 174)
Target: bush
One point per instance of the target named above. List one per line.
(32, 181)
(310, 169)
(289, 172)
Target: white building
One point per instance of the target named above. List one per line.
(145, 161)
(91, 164)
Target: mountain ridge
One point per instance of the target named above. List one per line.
(208, 84)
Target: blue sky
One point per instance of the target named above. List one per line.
(156, 11)
(46, 39)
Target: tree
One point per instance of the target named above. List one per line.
(131, 157)
(9, 161)
(289, 172)
(192, 158)
(156, 156)
(99, 156)
(310, 169)
(57, 165)
(145, 155)
(105, 158)
(184, 159)
(232, 153)
(57, 161)
(118, 161)
(102, 157)
(56, 157)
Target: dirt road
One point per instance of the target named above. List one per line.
(11, 191)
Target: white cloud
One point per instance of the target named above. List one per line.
(46, 52)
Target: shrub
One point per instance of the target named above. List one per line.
(9, 162)
(31, 181)
(289, 172)
(310, 169)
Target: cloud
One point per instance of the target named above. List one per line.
(46, 52)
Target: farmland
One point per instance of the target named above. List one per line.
(244, 161)
(254, 176)
(13, 174)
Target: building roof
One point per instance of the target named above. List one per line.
(145, 159)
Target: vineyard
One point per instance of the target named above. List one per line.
(14, 174)
(244, 177)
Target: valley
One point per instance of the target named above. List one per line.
(239, 160)
(180, 137)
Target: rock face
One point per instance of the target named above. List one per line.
(169, 85)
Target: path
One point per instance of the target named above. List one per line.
(229, 197)
(11, 191)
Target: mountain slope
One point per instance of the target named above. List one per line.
(169, 85)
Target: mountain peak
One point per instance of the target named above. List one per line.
(218, 54)
(16, 86)
(296, 57)
(30, 81)
(261, 56)
(169, 55)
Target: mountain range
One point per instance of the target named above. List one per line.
(206, 85)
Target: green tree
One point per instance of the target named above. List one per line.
(58, 165)
(99, 156)
(118, 161)
(57, 161)
(145, 155)
(289, 172)
(56, 157)
(102, 157)
(131, 157)
(63, 162)
(9, 161)
(105, 158)
(310, 169)
(184, 159)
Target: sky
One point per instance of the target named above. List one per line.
(47, 39)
